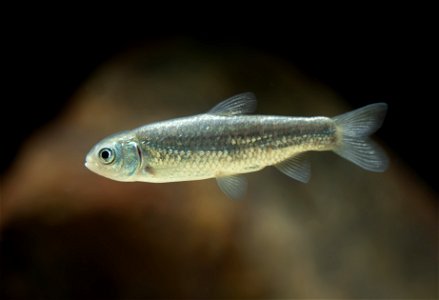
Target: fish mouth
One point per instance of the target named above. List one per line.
(90, 162)
(90, 165)
(87, 165)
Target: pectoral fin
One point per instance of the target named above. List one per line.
(297, 167)
(234, 186)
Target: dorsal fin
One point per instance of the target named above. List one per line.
(244, 103)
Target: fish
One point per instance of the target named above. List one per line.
(228, 141)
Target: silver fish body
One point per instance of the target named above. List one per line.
(225, 142)
(207, 146)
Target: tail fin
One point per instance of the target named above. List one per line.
(355, 145)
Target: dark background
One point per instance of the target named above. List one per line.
(364, 56)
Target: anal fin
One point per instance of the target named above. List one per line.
(296, 167)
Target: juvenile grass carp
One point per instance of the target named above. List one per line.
(225, 142)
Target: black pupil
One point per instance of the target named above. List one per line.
(105, 154)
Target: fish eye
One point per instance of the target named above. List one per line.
(106, 155)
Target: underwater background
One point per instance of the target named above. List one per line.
(69, 233)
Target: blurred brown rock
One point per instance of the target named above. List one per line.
(68, 233)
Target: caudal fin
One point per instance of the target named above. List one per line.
(355, 145)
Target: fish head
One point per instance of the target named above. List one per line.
(116, 157)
